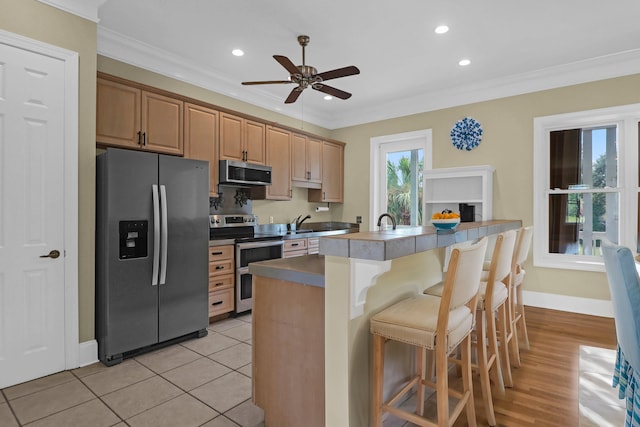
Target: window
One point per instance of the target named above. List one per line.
(397, 162)
(585, 185)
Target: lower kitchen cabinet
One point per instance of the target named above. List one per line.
(294, 247)
(313, 245)
(221, 280)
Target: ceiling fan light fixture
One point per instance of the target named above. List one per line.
(441, 29)
(237, 52)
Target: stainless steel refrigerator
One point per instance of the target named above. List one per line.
(152, 237)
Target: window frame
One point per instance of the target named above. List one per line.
(377, 172)
(626, 118)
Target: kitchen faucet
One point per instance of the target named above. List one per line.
(300, 221)
(393, 221)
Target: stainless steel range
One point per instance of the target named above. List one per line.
(249, 247)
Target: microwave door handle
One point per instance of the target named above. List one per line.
(164, 235)
(156, 234)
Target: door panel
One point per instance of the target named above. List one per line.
(32, 288)
(183, 299)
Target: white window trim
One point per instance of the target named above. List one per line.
(376, 177)
(627, 117)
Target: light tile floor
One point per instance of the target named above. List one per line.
(202, 382)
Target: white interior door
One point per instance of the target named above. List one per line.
(32, 284)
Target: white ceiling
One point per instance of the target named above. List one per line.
(405, 68)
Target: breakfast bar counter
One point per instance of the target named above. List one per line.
(311, 339)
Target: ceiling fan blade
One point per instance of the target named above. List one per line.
(332, 91)
(286, 63)
(267, 82)
(339, 72)
(293, 96)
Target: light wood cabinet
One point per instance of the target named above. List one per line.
(130, 117)
(332, 189)
(294, 247)
(221, 280)
(313, 245)
(242, 139)
(201, 139)
(306, 165)
(278, 143)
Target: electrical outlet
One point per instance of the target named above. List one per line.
(358, 219)
(271, 220)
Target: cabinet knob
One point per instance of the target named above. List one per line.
(219, 267)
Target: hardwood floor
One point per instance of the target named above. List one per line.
(545, 391)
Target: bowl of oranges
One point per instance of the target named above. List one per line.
(445, 220)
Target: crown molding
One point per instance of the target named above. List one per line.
(131, 51)
(87, 9)
(122, 48)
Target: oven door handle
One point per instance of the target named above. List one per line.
(264, 244)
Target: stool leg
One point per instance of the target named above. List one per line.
(467, 383)
(504, 363)
(493, 351)
(522, 321)
(421, 375)
(481, 349)
(512, 334)
(378, 380)
(442, 385)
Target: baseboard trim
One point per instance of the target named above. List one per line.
(594, 307)
(88, 352)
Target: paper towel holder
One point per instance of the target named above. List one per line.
(323, 208)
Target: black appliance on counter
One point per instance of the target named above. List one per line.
(249, 247)
(467, 212)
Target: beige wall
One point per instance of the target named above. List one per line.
(38, 21)
(507, 144)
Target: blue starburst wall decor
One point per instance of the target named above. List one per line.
(466, 134)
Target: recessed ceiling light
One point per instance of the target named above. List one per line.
(464, 62)
(328, 97)
(237, 52)
(441, 29)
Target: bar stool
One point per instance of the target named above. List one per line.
(437, 324)
(492, 307)
(522, 253)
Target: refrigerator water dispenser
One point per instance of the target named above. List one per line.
(133, 239)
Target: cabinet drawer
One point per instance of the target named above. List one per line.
(220, 267)
(313, 245)
(220, 302)
(294, 245)
(290, 254)
(217, 283)
(217, 253)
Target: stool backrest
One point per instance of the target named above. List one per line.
(501, 264)
(463, 276)
(624, 286)
(524, 242)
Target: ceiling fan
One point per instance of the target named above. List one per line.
(307, 76)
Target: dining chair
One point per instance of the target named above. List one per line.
(624, 285)
(492, 322)
(439, 324)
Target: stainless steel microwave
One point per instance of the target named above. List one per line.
(233, 172)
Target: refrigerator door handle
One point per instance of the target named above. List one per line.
(156, 234)
(164, 235)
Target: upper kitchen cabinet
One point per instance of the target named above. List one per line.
(279, 158)
(306, 166)
(242, 139)
(201, 139)
(332, 188)
(131, 117)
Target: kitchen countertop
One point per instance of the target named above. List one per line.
(376, 246)
(307, 269)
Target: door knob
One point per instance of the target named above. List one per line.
(53, 254)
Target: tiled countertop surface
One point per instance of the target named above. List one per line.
(390, 244)
(374, 245)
